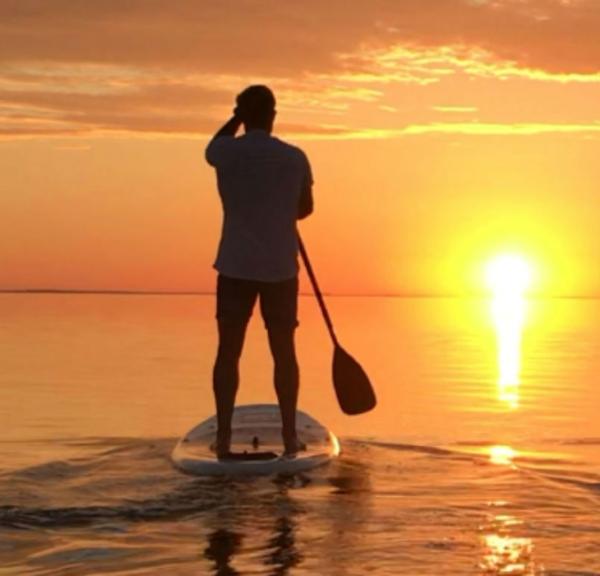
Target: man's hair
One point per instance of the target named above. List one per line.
(256, 105)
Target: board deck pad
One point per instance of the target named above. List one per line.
(256, 445)
(245, 455)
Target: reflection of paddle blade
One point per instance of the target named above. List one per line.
(354, 391)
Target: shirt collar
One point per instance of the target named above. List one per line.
(257, 133)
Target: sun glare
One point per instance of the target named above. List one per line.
(508, 275)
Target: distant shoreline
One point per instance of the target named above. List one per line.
(105, 292)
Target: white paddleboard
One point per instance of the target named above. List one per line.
(256, 439)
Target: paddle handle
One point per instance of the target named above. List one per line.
(313, 281)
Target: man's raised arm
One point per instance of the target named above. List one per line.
(230, 127)
(214, 151)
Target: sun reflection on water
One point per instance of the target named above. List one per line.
(507, 554)
(508, 312)
(502, 454)
(508, 277)
(504, 553)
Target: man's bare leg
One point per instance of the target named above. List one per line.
(226, 381)
(286, 378)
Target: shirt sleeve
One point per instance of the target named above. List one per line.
(306, 204)
(219, 150)
(308, 177)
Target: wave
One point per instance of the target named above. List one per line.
(544, 466)
(133, 480)
(163, 508)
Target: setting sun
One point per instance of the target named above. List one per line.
(508, 274)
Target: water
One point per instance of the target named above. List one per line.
(482, 456)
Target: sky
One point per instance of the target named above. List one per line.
(441, 133)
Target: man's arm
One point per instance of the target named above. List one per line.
(215, 151)
(230, 127)
(305, 206)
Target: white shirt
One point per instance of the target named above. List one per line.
(260, 180)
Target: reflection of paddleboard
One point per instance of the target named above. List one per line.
(256, 444)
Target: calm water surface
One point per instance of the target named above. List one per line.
(482, 457)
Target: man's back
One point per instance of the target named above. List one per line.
(264, 184)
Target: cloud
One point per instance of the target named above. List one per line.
(173, 66)
(70, 100)
(410, 64)
(175, 108)
(498, 129)
(454, 128)
(68, 103)
(269, 37)
(455, 109)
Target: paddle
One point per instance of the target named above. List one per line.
(352, 387)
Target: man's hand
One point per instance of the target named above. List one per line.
(231, 126)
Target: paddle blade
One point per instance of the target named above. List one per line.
(354, 391)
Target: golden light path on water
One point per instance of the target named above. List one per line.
(508, 277)
(500, 454)
(508, 311)
(505, 552)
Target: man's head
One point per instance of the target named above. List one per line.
(256, 107)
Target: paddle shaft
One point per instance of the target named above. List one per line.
(313, 281)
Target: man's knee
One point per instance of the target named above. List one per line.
(286, 363)
(282, 345)
(231, 340)
(226, 357)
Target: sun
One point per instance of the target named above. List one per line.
(508, 275)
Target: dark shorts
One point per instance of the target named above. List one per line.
(278, 301)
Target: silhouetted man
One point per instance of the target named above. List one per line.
(265, 185)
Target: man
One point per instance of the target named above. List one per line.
(265, 185)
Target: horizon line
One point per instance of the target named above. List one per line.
(125, 292)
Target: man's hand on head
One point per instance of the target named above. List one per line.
(231, 126)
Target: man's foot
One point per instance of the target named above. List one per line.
(292, 447)
(222, 446)
(225, 455)
(220, 452)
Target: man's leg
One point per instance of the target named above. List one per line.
(226, 380)
(279, 305)
(235, 300)
(286, 378)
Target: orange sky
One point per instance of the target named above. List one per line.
(441, 132)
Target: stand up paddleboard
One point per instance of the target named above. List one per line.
(256, 445)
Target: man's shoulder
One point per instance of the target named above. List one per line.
(222, 140)
(291, 149)
(218, 148)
